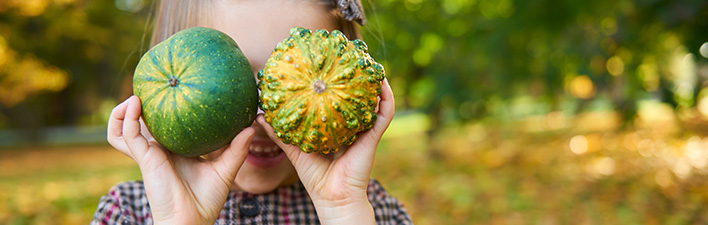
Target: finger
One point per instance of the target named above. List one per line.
(231, 159)
(215, 154)
(366, 142)
(360, 155)
(291, 151)
(387, 109)
(115, 127)
(144, 131)
(137, 144)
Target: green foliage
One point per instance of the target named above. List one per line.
(449, 58)
(72, 57)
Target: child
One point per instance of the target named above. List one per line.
(243, 183)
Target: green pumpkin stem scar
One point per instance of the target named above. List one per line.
(173, 81)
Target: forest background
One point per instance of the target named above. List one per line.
(508, 111)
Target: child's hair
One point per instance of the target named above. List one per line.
(172, 16)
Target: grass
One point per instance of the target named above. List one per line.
(59, 185)
(549, 169)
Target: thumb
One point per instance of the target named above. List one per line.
(228, 163)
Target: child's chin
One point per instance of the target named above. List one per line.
(261, 184)
(260, 188)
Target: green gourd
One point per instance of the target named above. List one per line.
(197, 91)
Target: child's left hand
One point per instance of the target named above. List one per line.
(337, 183)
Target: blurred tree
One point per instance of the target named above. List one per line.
(62, 62)
(61, 59)
(457, 60)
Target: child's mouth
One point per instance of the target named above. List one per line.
(265, 154)
(264, 150)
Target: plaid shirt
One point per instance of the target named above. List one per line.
(126, 203)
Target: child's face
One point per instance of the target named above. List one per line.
(257, 26)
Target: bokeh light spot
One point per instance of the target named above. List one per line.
(130, 5)
(704, 50)
(582, 87)
(695, 152)
(615, 66)
(601, 167)
(32, 8)
(682, 168)
(649, 73)
(579, 144)
(703, 106)
(609, 26)
(605, 166)
(556, 120)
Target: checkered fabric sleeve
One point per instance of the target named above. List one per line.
(387, 209)
(127, 203)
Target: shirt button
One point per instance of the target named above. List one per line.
(249, 207)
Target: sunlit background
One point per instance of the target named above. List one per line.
(508, 111)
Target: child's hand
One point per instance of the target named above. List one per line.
(180, 190)
(337, 183)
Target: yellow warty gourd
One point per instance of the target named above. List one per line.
(318, 90)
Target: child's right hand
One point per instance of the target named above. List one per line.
(176, 185)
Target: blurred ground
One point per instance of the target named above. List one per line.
(552, 169)
(58, 185)
(548, 169)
